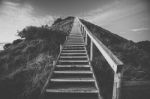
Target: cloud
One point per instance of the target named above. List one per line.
(15, 16)
(124, 18)
(140, 29)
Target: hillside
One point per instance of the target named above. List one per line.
(26, 63)
(134, 56)
(145, 45)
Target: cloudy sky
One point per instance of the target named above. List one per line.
(128, 18)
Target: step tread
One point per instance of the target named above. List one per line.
(73, 50)
(74, 45)
(74, 72)
(73, 60)
(73, 56)
(73, 90)
(73, 65)
(72, 80)
(73, 53)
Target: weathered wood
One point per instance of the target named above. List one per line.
(91, 51)
(113, 61)
(60, 47)
(85, 39)
(117, 86)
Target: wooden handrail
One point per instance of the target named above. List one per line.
(113, 61)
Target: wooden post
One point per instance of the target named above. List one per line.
(54, 63)
(91, 51)
(117, 86)
(81, 28)
(85, 38)
(60, 47)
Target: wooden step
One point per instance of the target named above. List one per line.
(75, 36)
(72, 65)
(64, 51)
(74, 50)
(71, 90)
(74, 72)
(72, 80)
(74, 45)
(72, 61)
(73, 57)
(75, 40)
(73, 53)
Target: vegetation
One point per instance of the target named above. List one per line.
(135, 57)
(145, 45)
(26, 63)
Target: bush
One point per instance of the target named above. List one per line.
(27, 63)
(17, 41)
(6, 46)
(57, 21)
(32, 32)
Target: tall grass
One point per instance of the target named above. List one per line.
(26, 63)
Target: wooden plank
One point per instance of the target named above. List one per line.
(91, 51)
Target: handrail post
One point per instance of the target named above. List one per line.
(81, 30)
(117, 86)
(85, 38)
(91, 51)
(54, 62)
(60, 47)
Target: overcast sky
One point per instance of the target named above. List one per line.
(128, 18)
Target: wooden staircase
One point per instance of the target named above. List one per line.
(73, 76)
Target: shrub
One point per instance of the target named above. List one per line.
(17, 41)
(6, 46)
(57, 20)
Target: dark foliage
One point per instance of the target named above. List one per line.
(136, 64)
(134, 56)
(145, 45)
(6, 46)
(26, 63)
(17, 41)
(57, 20)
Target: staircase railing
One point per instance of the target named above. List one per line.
(113, 61)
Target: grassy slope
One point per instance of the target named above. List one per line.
(135, 57)
(26, 63)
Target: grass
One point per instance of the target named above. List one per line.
(135, 57)
(26, 63)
